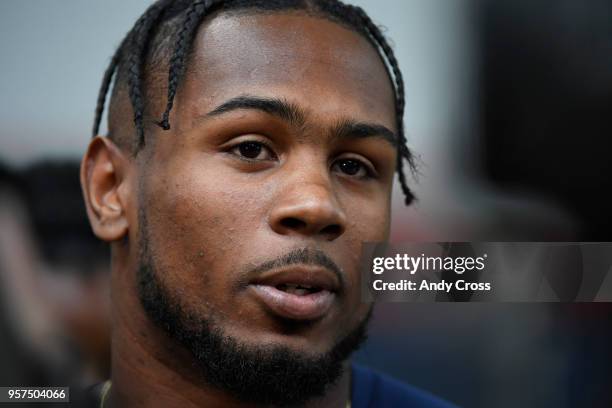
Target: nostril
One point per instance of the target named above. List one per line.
(293, 223)
(303, 226)
(332, 230)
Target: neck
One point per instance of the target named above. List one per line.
(149, 369)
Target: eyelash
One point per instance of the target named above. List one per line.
(233, 150)
(369, 172)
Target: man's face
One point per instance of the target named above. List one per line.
(276, 169)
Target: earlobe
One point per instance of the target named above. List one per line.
(104, 177)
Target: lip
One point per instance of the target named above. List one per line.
(311, 306)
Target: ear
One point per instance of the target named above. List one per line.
(104, 179)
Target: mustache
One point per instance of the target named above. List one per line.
(301, 256)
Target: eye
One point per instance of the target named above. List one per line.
(353, 167)
(252, 150)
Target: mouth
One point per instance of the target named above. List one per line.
(299, 293)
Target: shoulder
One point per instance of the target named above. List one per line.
(374, 389)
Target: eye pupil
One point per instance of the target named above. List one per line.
(350, 167)
(250, 149)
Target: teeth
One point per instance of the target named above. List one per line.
(295, 289)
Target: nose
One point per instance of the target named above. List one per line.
(310, 210)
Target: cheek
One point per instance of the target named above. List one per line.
(366, 223)
(197, 224)
(369, 221)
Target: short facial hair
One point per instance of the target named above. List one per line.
(271, 375)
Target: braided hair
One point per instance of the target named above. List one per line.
(147, 44)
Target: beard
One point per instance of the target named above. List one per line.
(268, 374)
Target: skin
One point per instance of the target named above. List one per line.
(212, 214)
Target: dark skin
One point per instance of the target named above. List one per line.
(226, 189)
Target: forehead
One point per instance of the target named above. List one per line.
(316, 63)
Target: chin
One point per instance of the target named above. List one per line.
(296, 336)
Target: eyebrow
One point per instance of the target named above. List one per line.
(350, 129)
(289, 112)
(274, 106)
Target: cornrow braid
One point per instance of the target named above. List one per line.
(114, 63)
(135, 49)
(403, 151)
(106, 81)
(194, 16)
(140, 39)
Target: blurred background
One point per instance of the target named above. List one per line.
(508, 108)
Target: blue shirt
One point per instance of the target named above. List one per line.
(372, 390)
(369, 389)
